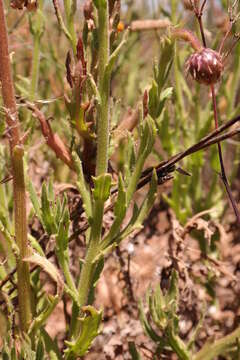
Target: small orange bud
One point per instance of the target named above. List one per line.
(120, 26)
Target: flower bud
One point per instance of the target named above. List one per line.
(205, 66)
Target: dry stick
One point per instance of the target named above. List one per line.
(19, 191)
(223, 172)
(163, 170)
(141, 25)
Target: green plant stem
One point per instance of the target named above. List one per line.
(69, 7)
(64, 263)
(177, 76)
(93, 249)
(89, 265)
(178, 346)
(37, 24)
(35, 67)
(211, 351)
(103, 86)
(19, 192)
(87, 272)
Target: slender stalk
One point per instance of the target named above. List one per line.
(8, 93)
(103, 86)
(223, 172)
(69, 7)
(178, 90)
(35, 67)
(37, 31)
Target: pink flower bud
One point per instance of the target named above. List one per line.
(205, 66)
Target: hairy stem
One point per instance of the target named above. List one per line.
(8, 93)
(89, 266)
(103, 86)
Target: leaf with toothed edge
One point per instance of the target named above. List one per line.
(90, 325)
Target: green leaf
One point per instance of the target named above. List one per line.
(83, 187)
(35, 200)
(100, 3)
(50, 345)
(130, 161)
(166, 94)
(51, 195)
(35, 245)
(49, 268)
(120, 209)
(153, 100)
(102, 187)
(63, 229)
(149, 199)
(148, 134)
(120, 205)
(58, 209)
(90, 324)
(47, 213)
(157, 308)
(147, 326)
(113, 57)
(173, 293)
(140, 214)
(41, 319)
(97, 272)
(133, 351)
(40, 350)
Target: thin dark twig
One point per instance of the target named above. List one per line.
(223, 172)
(202, 7)
(225, 37)
(204, 142)
(199, 18)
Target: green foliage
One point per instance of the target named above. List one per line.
(175, 114)
(163, 312)
(162, 326)
(133, 351)
(90, 324)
